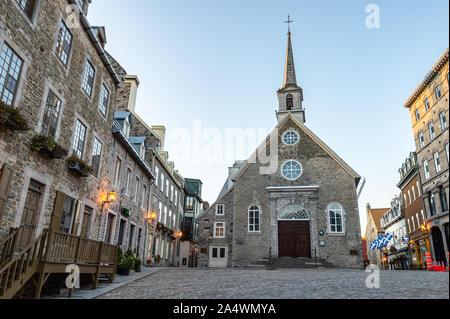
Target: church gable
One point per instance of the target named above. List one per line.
(308, 147)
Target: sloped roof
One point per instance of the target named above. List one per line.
(377, 214)
(314, 137)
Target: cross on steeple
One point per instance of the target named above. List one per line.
(289, 21)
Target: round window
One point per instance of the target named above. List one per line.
(291, 170)
(290, 138)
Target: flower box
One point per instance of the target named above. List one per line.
(12, 118)
(46, 145)
(79, 167)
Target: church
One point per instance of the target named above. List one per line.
(303, 207)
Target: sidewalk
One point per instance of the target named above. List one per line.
(104, 286)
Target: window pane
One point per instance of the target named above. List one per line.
(222, 252)
(10, 67)
(78, 142)
(104, 99)
(96, 155)
(27, 6)
(51, 114)
(88, 79)
(64, 43)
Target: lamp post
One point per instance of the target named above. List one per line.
(110, 198)
(151, 218)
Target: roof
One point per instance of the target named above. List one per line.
(119, 115)
(314, 137)
(377, 214)
(137, 139)
(443, 59)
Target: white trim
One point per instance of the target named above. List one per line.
(259, 218)
(223, 209)
(215, 227)
(293, 188)
(342, 217)
(290, 131)
(291, 179)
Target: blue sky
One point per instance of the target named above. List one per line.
(222, 62)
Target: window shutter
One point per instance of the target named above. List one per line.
(5, 181)
(57, 211)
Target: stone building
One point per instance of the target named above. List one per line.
(166, 193)
(393, 223)
(373, 232)
(415, 218)
(60, 79)
(428, 106)
(303, 204)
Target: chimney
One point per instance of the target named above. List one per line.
(126, 94)
(160, 132)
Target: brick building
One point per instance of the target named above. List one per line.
(303, 205)
(415, 218)
(428, 106)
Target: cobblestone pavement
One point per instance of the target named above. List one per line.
(175, 283)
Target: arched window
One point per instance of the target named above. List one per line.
(289, 102)
(254, 219)
(293, 212)
(336, 223)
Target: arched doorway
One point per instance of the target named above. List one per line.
(294, 232)
(438, 245)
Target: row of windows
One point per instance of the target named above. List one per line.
(413, 197)
(431, 130)
(335, 218)
(437, 163)
(165, 186)
(165, 215)
(414, 222)
(437, 96)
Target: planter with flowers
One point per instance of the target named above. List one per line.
(12, 118)
(157, 259)
(79, 166)
(47, 146)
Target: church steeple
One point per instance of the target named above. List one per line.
(290, 96)
(289, 69)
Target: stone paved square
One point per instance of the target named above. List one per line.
(283, 284)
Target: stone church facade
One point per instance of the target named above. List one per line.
(305, 207)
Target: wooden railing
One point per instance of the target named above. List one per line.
(9, 245)
(15, 273)
(70, 249)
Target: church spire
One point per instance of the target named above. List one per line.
(289, 69)
(290, 96)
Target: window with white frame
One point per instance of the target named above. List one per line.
(51, 114)
(431, 130)
(336, 218)
(443, 120)
(254, 219)
(174, 220)
(156, 175)
(291, 170)
(136, 190)
(127, 182)
(162, 182)
(165, 215)
(409, 226)
(64, 43)
(10, 68)
(169, 219)
(437, 163)
(418, 188)
(446, 151)
(421, 140)
(160, 211)
(126, 128)
(409, 195)
(414, 193)
(171, 192)
(96, 155)
(219, 230)
(144, 193)
(426, 170)
(117, 172)
(220, 209)
(406, 202)
(142, 153)
(79, 139)
(437, 92)
(88, 78)
(167, 188)
(176, 197)
(104, 100)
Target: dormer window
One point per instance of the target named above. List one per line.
(289, 102)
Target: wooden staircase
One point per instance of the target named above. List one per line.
(18, 269)
(48, 254)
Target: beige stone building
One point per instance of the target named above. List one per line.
(373, 231)
(429, 109)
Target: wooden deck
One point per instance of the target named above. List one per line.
(51, 253)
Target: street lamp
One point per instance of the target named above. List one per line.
(151, 218)
(110, 198)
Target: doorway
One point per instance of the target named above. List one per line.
(30, 213)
